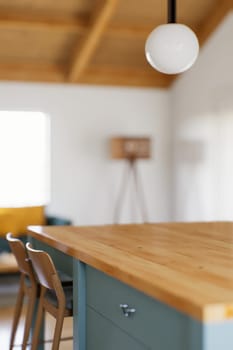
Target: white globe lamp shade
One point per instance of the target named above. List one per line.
(172, 48)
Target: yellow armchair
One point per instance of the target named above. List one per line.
(16, 220)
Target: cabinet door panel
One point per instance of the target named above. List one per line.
(152, 323)
(104, 335)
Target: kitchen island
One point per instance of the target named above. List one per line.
(165, 286)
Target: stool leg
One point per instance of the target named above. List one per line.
(29, 315)
(18, 309)
(39, 317)
(58, 329)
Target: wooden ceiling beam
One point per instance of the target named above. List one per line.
(213, 19)
(83, 53)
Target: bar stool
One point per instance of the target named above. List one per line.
(28, 286)
(55, 298)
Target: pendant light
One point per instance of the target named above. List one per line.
(172, 48)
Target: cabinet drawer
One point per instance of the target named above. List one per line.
(152, 323)
(104, 335)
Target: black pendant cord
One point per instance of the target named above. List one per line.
(171, 14)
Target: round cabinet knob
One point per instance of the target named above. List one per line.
(127, 311)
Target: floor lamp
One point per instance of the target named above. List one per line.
(131, 149)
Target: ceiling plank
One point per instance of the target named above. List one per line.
(125, 76)
(39, 72)
(84, 53)
(30, 21)
(99, 75)
(130, 31)
(79, 24)
(214, 18)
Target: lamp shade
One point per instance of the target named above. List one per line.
(172, 48)
(130, 147)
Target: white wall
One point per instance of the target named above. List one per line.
(202, 108)
(85, 181)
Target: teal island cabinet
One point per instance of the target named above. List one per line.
(165, 286)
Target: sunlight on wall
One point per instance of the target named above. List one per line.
(204, 167)
(223, 173)
(24, 159)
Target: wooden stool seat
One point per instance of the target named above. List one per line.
(68, 290)
(55, 298)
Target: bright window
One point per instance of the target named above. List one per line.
(24, 159)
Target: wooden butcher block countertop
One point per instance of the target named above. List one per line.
(188, 266)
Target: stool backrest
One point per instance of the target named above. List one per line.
(44, 268)
(18, 249)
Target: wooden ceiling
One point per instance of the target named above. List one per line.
(92, 41)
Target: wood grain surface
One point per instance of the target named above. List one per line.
(188, 266)
(93, 42)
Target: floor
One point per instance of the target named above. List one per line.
(6, 315)
(7, 301)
